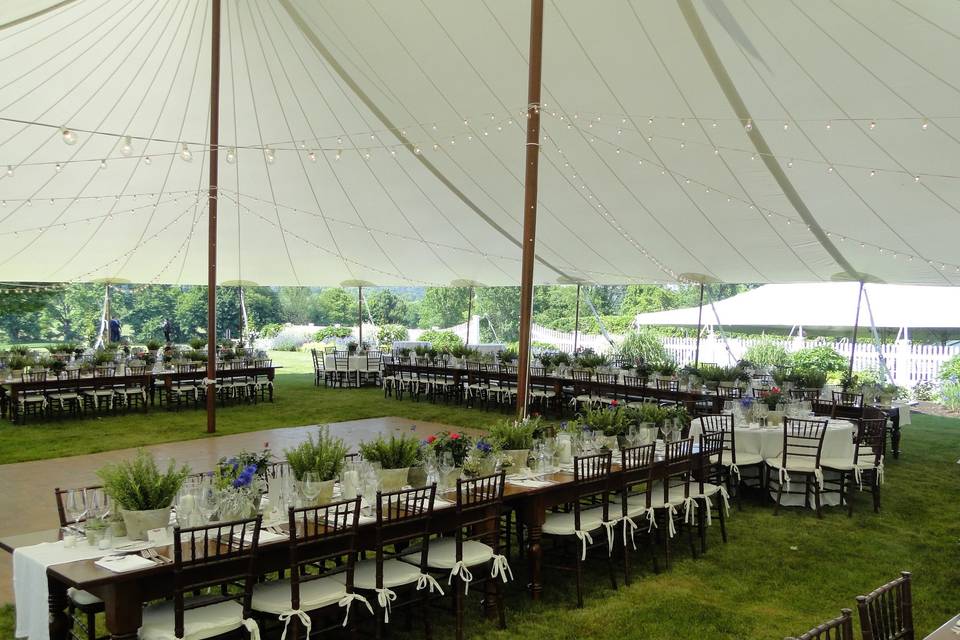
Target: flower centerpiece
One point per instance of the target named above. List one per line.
(143, 493)
(458, 445)
(772, 397)
(323, 457)
(395, 455)
(481, 459)
(611, 422)
(241, 482)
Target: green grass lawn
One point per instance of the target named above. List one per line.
(777, 576)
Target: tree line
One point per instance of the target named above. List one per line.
(72, 312)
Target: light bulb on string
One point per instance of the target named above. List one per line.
(312, 155)
(185, 154)
(147, 160)
(924, 124)
(270, 155)
(58, 167)
(9, 170)
(786, 126)
(339, 153)
(749, 125)
(126, 147)
(231, 155)
(69, 136)
(103, 164)
(872, 125)
(829, 125)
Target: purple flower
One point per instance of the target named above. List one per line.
(484, 447)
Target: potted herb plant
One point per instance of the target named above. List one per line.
(395, 454)
(515, 439)
(322, 456)
(143, 493)
(480, 460)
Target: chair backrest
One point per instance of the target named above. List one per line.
(214, 555)
(710, 459)
(871, 439)
(668, 385)
(634, 381)
(318, 534)
(591, 478)
(34, 375)
(762, 379)
(729, 392)
(317, 360)
(373, 360)
(635, 463)
(403, 522)
(803, 439)
(105, 371)
(137, 370)
(805, 394)
(887, 613)
(762, 391)
(678, 458)
(60, 495)
(188, 367)
(845, 399)
(840, 628)
(479, 506)
(341, 360)
(581, 375)
(607, 378)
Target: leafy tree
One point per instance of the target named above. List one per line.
(643, 298)
(337, 306)
(551, 303)
(148, 309)
(20, 312)
(263, 306)
(501, 306)
(390, 333)
(74, 312)
(387, 307)
(299, 305)
(444, 307)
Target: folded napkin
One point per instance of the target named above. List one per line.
(123, 564)
(265, 536)
(533, 484)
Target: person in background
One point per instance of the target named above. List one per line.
(114, 330)
(167, 330)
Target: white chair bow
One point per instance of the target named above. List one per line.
(428, 581)
(385, 596)
(251, 626)
(689, 510)
(460, 569)
(585, 539)
(500, 568)
(609, 525)
(734, 469)
(287, 616)
(628, 522)
(671, 513)
(346, 601)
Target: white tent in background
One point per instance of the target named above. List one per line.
(831, 304)
(382, 141)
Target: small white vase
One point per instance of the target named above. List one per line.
(393, 479)
(139, 522)
(517, 458)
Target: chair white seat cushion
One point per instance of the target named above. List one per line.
(543, 393)
(743, 459)
(32, 398)
(709, 490)
(562, 524)
(395, 574)
(274, 597)
(800, 465)
(443, 553)
(638, 503)
(83, 598)
(840, 464)
(99, 392)
(586, 398)
(199, 623)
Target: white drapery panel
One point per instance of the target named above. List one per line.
(382, 141)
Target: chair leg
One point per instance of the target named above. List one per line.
(848, 495)
(875, 489)
(458, 597)
(579, 580)
(776, 509)
(653, 536)
(816, 498)
(702, 525)
(723, 519)
(690, 541)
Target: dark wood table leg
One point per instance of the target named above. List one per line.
(123, 604)
(60, 623)
(533, 515)
(895, 431)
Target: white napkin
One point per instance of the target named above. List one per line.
(123, 564)
(533, 484)
(265, 536)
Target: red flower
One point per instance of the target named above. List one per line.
(614, 403)
(775, 390)
(454, 436)
(430, 439)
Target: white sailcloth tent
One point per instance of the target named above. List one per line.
(383, 141)
(832, 304)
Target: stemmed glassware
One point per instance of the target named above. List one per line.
(445, 467)
(310, 487)
(208, 499)
(76, 505)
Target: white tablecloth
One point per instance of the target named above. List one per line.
(768, 442)
(30, 582)
(354, 363)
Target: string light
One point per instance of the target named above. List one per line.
(312, 155)
(68, 136)
(873, 125)
(147, 160)
(103, 164)
(270, 155)
(231, 155)
(58, 167)
(924, 124)
(185, 154)
(126, 148)
(749, 125)
(9, 170)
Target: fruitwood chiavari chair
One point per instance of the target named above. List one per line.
(542, 394)
(636, 464)
(668, 385)
(608, 398)
(733, 461)
(402, 529)
(588, 516)
(66, 397)
(840, 628)
(846, 400)
(211, 557)
(323, 549)
(866, 464)
(133, 393)
(809, 395)
(583, 389)
(887, 612)
(800, 456)
(102, 391)
(707, 483)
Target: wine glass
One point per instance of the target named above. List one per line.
(207, 500)
(186, 504)
(445, 467)
(96, 504)
(310, 486)
(76, 504)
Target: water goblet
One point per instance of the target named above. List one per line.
(76, 504)
(310, 487)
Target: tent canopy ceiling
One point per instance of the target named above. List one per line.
(383, 141)
(831, 304)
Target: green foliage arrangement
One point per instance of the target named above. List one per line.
(104, 357)
(731, 374)
(508, 356)
(667, 368)
(611, 421)
(643, 345)
(809, 378)
(512, 435)
(562, 358)
(442, 341)
(950, 370)
(588, 359)
(395, 452)
(323, 455)
(331, 333)
(270, 329)
(452, 442)
(647, 412)
(767, 353)
(924, 391)
(138, 484)
(197, 343)
(153, 345)
(822, 358)
(390, 333)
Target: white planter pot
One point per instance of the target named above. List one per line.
(139, 522)
(517, 458)
(393, 479)
(324, 497)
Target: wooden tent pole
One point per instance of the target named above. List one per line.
(576, 322)
(530, 201)
(211, 386)
(696, 355)
(469, 315)
(360, 317)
